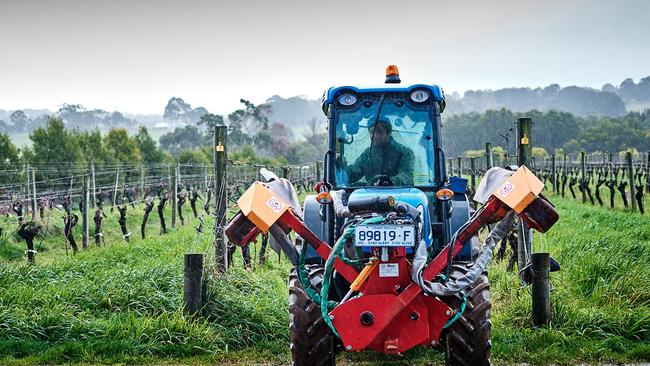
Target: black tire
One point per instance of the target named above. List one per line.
(467, 341)
(312, 341)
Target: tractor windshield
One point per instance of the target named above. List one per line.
(384, 139)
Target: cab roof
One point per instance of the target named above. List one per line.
(334, 91)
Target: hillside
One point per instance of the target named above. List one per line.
(298, 112)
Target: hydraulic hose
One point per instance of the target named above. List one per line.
(455, 286)
(329, 269)
(340, 209)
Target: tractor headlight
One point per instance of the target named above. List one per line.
(419, 96)
(348, 99)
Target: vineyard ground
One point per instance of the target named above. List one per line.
(121, 303)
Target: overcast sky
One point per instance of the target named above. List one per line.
(135, 55)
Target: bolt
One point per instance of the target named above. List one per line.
(331, 317)
(448, 312)
(367, 318)
(434, 343)
(348, 347)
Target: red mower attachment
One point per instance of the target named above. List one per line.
(390, 313)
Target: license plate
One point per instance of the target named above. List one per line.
(384, 236)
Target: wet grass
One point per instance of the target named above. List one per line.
(122, 303)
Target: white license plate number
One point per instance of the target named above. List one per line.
(384, 236)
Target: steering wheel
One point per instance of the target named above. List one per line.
(383, 181)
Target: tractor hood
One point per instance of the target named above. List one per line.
(412, 196)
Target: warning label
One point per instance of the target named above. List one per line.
(506, 189)
(275, 204)
(388, 270)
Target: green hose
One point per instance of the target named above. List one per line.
(329, 269)
(458, 313)
(303, 277)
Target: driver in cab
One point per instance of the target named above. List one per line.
(386, 162)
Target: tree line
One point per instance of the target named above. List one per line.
(253, 138)
(552, 130)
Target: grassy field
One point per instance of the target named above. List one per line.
(121, 303)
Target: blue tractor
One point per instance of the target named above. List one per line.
(414, 116)
(386, 257)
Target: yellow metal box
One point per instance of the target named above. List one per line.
(261, 206)
(520, 189)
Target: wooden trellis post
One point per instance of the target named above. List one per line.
(86, 198)
(117, 179)
(34, 204)
(488, 156)
(630, 177)
(583, 175)
(524, 152)
(220, 197)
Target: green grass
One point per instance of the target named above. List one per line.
(121, 303)
(600, 298)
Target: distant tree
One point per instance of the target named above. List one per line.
(300, 152)
(39, 121)
(9, 155)
(54, 145)
(151, 153)
(176, 108)
(628, 90)
(616, 134)
(124, 148)
(474, 153)
(93, 149)
(118, 119)
(313, 148)
(246, 154)
(250, 126)
(280, 139)
(192, 156)
(317, 136)
(209, 121)
(540, 153)
(181, 139)
(20, 121)
(572, 146)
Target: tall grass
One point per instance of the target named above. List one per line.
(600, 298)
(122, 303)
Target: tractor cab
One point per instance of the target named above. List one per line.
(363, 123)
(386, 141)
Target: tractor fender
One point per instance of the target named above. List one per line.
(460, 214)
(312, 219)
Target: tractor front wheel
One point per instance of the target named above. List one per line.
(467, 341)
(312, 341)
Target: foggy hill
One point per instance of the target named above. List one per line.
(579, 101)
(296, 113)
(610, 101)
(299, 113)
(179, 112)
